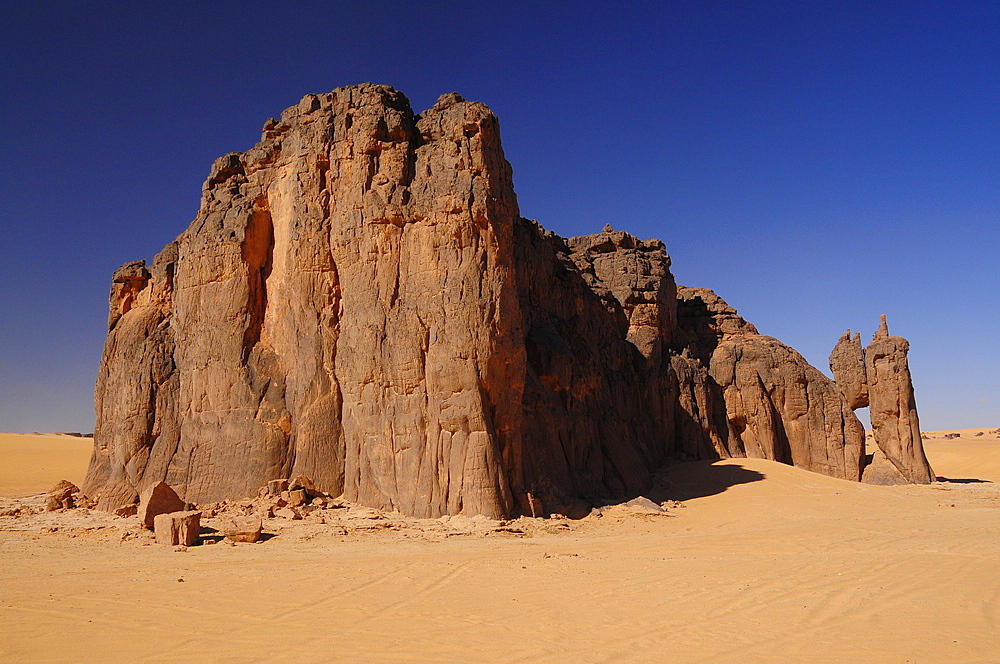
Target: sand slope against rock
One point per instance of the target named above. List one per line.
(757, 561)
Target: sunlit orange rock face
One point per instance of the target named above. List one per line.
(878, 377)
(359, 301)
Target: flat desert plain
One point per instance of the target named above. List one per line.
(755, 562)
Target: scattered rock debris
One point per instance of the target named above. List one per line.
(291, 509)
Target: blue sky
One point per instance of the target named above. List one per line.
(815, 163)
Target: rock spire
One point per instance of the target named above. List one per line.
(879, 378)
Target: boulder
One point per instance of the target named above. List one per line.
(643, 505)
(177, 528)
(158, 499)
(64, 489)
(275, 487)
(242, 529)
(63, 495)
(302, 482)
(879, 470)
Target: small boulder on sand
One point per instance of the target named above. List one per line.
(177, 528)
(643, 505)
(287, 513)
(158, 499)
(275, 487)
(242, 530)
(63, 495)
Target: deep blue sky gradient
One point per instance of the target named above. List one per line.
(816, 164)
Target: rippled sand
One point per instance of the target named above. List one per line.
(760, 562)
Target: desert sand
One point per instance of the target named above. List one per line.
(30, 461)
(757, 562)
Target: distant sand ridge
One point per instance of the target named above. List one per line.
(359, 302)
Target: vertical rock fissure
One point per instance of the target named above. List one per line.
(257, 252)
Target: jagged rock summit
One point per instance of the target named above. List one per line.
(879, 378)
(359, 301)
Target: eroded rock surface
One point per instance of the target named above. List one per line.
(847, 363)
(893, 407)
(359, 301)
(777, 406)
(879, 377)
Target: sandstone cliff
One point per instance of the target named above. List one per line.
(359, 301)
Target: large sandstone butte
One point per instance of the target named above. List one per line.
(359, 301)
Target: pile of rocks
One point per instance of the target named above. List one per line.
(292, 499)
(177, 523)
(65, 496)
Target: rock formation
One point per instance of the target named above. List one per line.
(777, 406)
(847, 363)
(893, 407)
(879, 377)
(359, 301)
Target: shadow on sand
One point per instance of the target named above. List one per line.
(697, 479)
(962, 480)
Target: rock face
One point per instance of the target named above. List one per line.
(359, 301)
(893, 407)
(777, 406)
(847, 363)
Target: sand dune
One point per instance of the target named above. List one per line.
(971, 456)
(760, 562)
(32, 463)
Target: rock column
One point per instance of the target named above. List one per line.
(879, 378)
(893, 407)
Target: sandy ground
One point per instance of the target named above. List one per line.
(29, 462)
(759, 562)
